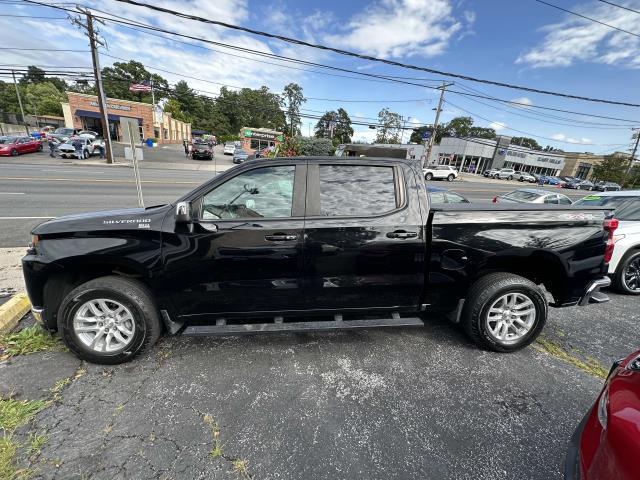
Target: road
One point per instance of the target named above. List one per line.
(32, 193)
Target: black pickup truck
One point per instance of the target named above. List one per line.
(303, 244)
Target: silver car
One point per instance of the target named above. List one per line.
(524, 177)
(533, 195)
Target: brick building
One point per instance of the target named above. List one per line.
(82, 112)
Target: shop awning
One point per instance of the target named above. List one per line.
(115, 118)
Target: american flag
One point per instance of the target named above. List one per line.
(144, 86)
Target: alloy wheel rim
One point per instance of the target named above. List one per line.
(104, 325)
(510, 318)
(632, 275)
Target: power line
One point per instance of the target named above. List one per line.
(370, 58)
(529, 133)
(576, 14)
(620, 6)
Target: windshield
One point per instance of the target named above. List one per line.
(522, 196)
(8, 139)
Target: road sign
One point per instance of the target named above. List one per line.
(426, 135)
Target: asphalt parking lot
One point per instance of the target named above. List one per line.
(379, 404)
(398, 403)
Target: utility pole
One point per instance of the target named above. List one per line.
(24, 120)
(633, 155)
(435, 122)
(102, 101)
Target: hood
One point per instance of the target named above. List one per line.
(127, 219)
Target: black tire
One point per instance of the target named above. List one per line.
(521, 179)
(631, 257)
(451, 178)
(510, 177)
(483, 293)
(428, 176)
(14, 153)
(40, 147)
(85, 154)
(130, 293)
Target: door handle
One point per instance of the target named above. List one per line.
(402, 234)
(280, 237)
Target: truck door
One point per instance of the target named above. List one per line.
(243, 252)
(364, 237)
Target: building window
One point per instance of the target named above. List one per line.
(166, 133)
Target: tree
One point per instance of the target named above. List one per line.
(293, 98)
(336, 126)
(315, 146)
(43, 99)
(389, 125)
(172, 107)
(33, 75)
(612, 169)
(526, 142)
(117, 79)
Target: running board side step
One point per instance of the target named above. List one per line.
(301, 326)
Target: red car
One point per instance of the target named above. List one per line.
(606, 444)
(16, 145)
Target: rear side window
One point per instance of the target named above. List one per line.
(630, 211)
(356, 190)
(522, 196)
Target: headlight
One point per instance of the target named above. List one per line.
(603, 407)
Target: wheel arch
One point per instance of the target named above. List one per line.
(75, 271)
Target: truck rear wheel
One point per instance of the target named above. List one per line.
(109, 320)
(504, 312)
(428, 176)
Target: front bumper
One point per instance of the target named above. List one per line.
(572, 458)
(593, 294)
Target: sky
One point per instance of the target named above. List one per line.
(520, 42)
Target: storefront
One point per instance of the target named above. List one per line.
(260, 138)
(82, 112)
(475, 155)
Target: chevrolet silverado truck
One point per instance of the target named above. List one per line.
(308, 244)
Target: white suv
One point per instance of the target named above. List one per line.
(507, 173)
(441, 172)
(624, 267)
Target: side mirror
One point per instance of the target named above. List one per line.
(183, 212)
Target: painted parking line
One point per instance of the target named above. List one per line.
(12, 193)
(67, 171)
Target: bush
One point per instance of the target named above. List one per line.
(314, 147)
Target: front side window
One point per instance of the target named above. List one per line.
(437, 198)
(356, 190)
(564, 200)
(455, 198)
(260, 193)
(551, 199)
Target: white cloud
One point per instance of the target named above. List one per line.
(402, 28)
(522, 100)
(497, 126)
(579, 40)
(561, 137)
(366, 134)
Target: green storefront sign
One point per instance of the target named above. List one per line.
(248, 133)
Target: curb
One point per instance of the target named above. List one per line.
(12, 311)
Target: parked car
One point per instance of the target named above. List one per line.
(549, 180)
(490, 173)
(607, 187)
(606, 443)
(229, 148)
(88, 133)
(578, 184)
(440, 172)
(240, 155)
(202, 150)
(567, 178)
(226, 258)
(90, 146)
(438, 195)
(505, 174)
(533, 195)
(524, 177)
(15, 146)
(63, 134)
(624, 267)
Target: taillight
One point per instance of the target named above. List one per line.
(610, 225)
(495, 200)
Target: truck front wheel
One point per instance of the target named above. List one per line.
(109, 320)
(504, 312)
